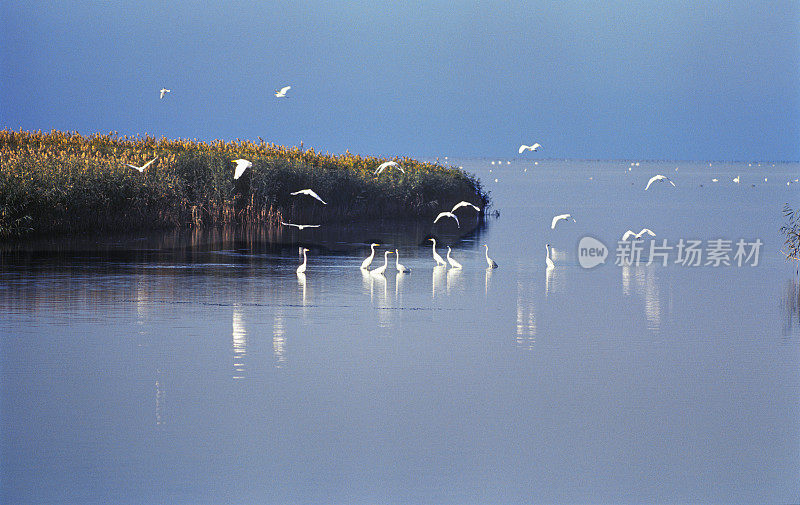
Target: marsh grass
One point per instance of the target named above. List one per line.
(68, 183)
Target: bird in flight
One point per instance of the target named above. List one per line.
(559, 217)
(447, 214)
(141, 169)
(464, 204)
(311, 193)
(534, 147)
(241, 166)
(658, 178)
(388, 164)
(164, 91)
(630, 233)
(282, 92)
(300, 226)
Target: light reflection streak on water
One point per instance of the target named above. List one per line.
(454, 280)
(160, 398)
(239, 337)
(301, 281)
(437, 277)
(526, 318)
(279, 339)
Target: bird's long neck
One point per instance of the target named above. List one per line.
(548, 250)
(372, 253)
(304, 257)
(486, 250)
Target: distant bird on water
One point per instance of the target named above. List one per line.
(387, 164)
(141, 169)
(282, 92)
(658, 178)
(447, 214)
(630, 233)
(534, 147)
(241, 166)
(489, 260)
(311, 193)
(561, 217)
(736, 179)
(163, 92)
(464, 204)
(300, 226)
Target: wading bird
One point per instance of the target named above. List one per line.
(241, 166)
(365, 264)
(300, 226)
(141, 169)
(464, 204)
(658, 178)
(311, 193)
(282, 92)
(549, 262)
(387, 164)
(453, 263)
(302, 268)
(489, 260)
(534, 147)
(736, 179)
(439, 259)
(560, 217)
(447, 214)
(163, 92)
(400, 268)
(382, 268)
(630, 233)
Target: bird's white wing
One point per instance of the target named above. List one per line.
(522, 148)
(670, 181)
(290, 224)
(149, 163)
(141, 169)
(536, 146)
(464, 204)
(651, 181)
(241, 166)
(646, 230)
(557, 219)
(627, 235)
(285, 89)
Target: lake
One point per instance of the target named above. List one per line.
(197, 367)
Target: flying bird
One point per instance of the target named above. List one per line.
(489, 260)
(464, 204)
(141, 169)
(282, 92)
(630, 233)
(311, 193)
(447, 214)
(388, 164)
(559, 217)
(300, 226)
(658, 178)
(241, 166)
(164, 91)
(534, 147)
(453, 263)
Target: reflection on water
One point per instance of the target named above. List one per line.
(791, 308)
(643, 280)
(454, 284)
(438, 277)
(526, 317)
(239, 337)
(279, 339)
(160, 398)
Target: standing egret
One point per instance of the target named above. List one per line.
(309, 192)
(534, 147)
(447, 214)
(141, 169)
(549, 262)
(400, 268)
(382, 268)
(464, 204)
(630, 233)
(559, 217)
(489, 260)
(302, 268)
(282, 92)
(658, 178)
(365, 264)
(439, 260)
(453, 263)
(163, 92)
(387, 164)
(241, 166)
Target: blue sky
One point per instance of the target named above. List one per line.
(706, 80)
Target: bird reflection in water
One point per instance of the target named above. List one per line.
(526, 318)
(279, 340)
(301, 281)
(160, 398)
(239, 337)
(437, 278)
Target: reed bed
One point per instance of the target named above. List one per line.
(64, 182)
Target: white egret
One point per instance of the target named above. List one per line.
(382, 268)
(300, 226)
(464, 204)
(630, 233)
(736, 179)
(402, 269)
(658, 178)
(559, 217)
(387, 164)
(453, 263)
(534, 147)
(489, 260)
(141, 169)
(282, 92)
(311, 193)
(549, 262)
(163, 92)
(714, 180)
(302, 268)
(241, 166)
(365, 264)
(439, 259)
(447, 214)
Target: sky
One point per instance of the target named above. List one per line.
(613, 79)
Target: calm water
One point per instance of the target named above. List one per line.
(213, 374)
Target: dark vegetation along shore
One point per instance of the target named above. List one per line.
(66, 183)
